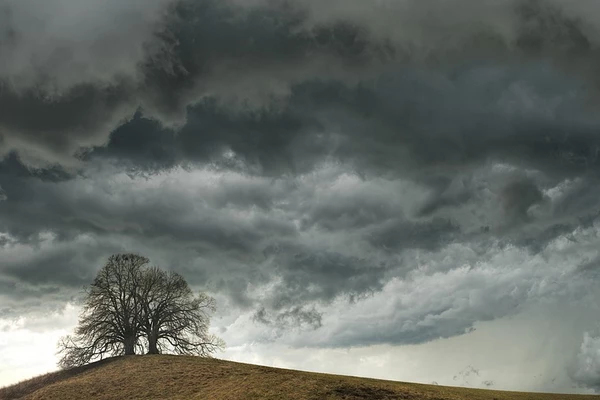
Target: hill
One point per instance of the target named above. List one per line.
(181, 377)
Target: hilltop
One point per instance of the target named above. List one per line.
(183, 377)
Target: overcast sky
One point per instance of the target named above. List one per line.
(399, 189)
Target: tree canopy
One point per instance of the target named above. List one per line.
(132, 308)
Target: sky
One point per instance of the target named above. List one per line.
(396, 189)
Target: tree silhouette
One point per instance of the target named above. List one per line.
(173, 319)
(131, 307)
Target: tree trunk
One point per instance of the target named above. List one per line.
(153, 343)
(129, 346)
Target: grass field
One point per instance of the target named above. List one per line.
(180, 377)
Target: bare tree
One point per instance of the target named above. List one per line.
(109, 322)
(173, 319)
(129, 301)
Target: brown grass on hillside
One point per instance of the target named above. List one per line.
(21, 389)
(183, 377)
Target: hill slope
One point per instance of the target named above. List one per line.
(179, 377)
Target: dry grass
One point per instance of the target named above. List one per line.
(178, 377)
(24, 388)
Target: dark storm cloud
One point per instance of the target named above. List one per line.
(49, 119)
(518, 196)
(253, 43)
(507, 114)
(142, 142)
(264, 50)
(67, 266)
(245, 218)
(285, 234)
(68, 73)
(312, 273)
(40, 278)
(12, 167)
(43, 128)
(544, 27)
(398, 234)
(295, 317)
(481, 114)
(446, 192)
(297, 157)
(70, 208)
(481, 111)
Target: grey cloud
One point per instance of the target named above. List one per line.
(250, 226)
(43, 130)
(12, 167)
(590, 266)
(315, 273)
(284, 232)
(40, 277)
(446, 193)
(577, 195)
(173, 61)
(440, 305)
(69, 265)
(538, 237)
(518, 196)
(545, 27)
(58, 94)
(397, 234)
(295, 317)
(40, 51)
(384, 126)
(76, 210)
(474, 122)
(142, 143)
(586, 369)
(301, 162)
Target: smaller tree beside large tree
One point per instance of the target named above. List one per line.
(172, 318)
(131, 307)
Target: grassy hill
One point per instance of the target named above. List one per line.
(179, 377)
